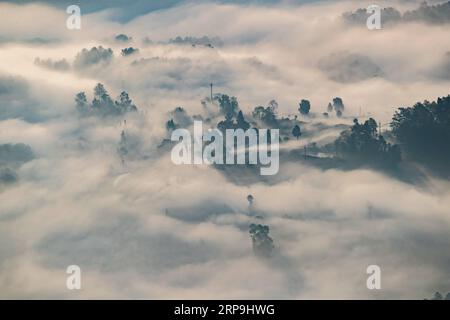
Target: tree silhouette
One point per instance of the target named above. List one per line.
(170, 125)
(296, 132)
(265, 114)
(124, 103)
(262, 243)
(102, 104)
(228, 123)
(81, 103)
(424, 132)
(338, 106)
(241, 123)
(250, 199)
(362, 145)
(304, 107)
(330, 107)
(228, 106)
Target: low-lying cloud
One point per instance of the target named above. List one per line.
(141, 227)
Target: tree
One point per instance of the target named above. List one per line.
(81, 103)
(273, 105)
(227, 105)
(305, 106)
(102, 101)
(103, 105)
(262, 242)
(338, 106)
(87, 58)
(424, 132)
(362, 145)
(124, 103)
(128, 51)
(296, 132)
(122, 38)
(330, 107)
(228, 123)
(170, 125)
(241, 123)
(265, 114)
(99, 91)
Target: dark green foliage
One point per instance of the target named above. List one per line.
(181, 118)
(94, 56)
(265, 114)
(170, 125)
(124, 103)
(362, 145)
(304, 107)
(228, 106)
(338, 104)
(81, 102)
(102, 104)
(128, 51)
(228, 123)
(122, 38)
(241, 123)
(424, 133)
(296, 132)
(262, 243)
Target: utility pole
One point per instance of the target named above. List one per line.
(211, 92)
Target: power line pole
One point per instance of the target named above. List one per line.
(211, 92)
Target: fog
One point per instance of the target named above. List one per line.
(146, 228)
